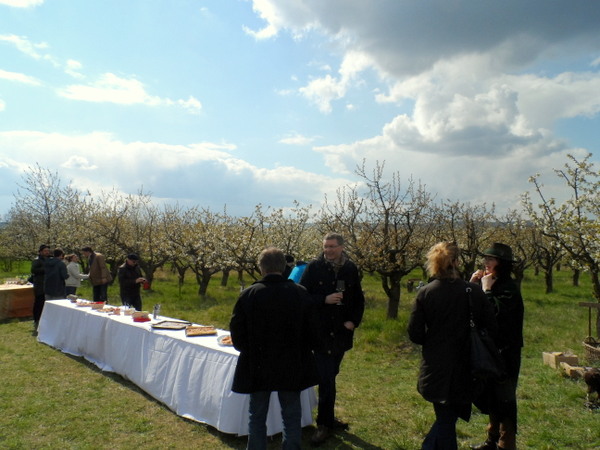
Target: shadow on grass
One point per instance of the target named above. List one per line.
(342, 440)
(232, 441)
(347, 440)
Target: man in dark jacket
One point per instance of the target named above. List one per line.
(333, 282)
(130, 280)
(271, 328)
(37, 278)
(55, 274)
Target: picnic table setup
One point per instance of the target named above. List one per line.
(188, 367)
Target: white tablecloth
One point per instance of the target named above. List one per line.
(191, 375)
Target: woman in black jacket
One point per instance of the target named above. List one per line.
(499, 399)
(440, 323)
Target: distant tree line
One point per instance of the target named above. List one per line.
(388, 224)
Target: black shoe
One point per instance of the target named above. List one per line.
(487, 445)
(339, 425)
(320, 436)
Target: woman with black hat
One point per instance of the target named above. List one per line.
(499, 399)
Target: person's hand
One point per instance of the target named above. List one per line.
(140, 280)
(477, 275)
(335, 298)
(487, 281)
(349, 325)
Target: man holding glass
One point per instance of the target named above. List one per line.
(333, 281)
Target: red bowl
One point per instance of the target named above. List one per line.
(141, 319)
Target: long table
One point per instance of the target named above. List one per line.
(191, 375)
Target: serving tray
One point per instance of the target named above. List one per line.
(170, 325)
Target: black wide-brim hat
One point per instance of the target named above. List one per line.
(500, 251)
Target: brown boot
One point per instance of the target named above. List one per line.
(320, 436)
(508, 436)
(493, 434)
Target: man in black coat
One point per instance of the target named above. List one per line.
(333, 282)
(37, 278)
(130, 280)
(55, 274)
(271, 328)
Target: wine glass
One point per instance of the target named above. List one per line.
(340, 286)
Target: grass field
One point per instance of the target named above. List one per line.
(50, 400)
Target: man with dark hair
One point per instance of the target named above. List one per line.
(271, 328)
(99, 275)
(333, 282)
(130, 280)
(37, 278)
(55, 276)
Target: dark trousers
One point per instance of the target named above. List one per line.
(135, 301)
(442, 435)
(38, 306)
(70, 290)
(100, 292)
(291, 413)
(328, 367)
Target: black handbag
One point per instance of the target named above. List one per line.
(486, 361)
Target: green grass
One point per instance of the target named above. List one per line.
(51, 400)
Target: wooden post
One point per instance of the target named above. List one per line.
(590, 305)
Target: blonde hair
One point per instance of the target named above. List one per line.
(440, 260)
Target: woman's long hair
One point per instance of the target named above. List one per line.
(441, 260)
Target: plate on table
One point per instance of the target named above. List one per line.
(171, 325)
(225, 340)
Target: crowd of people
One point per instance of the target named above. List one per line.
(292, 332)
(294, 325)
(55, 275)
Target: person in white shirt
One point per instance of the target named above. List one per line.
(75, 275)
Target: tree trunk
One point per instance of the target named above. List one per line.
(203, 279)
(391, 286)
(576, 273)
(549, 277)
(225, 278)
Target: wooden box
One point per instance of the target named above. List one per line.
(16, 301)
(553, 359)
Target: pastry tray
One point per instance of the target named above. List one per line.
(170, 325)
(200, 330)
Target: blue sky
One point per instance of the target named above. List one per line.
(239, 102)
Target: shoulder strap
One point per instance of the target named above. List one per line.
(468, 290)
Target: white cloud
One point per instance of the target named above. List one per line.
(192, 105)
(79, 163)
(25, 46)
(296, 139)
(19, 78)
(21, 3)
(203, 174)
(73, 68)
(110, 88)
(323, 91)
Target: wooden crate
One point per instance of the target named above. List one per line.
(16, 301)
